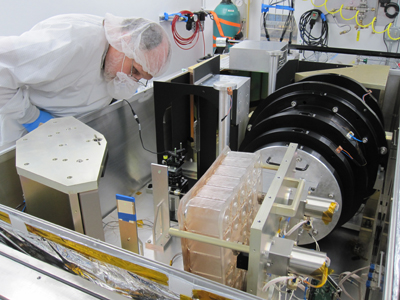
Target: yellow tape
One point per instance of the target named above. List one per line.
(140, 223)
(358, 35)
(321, 274)
(183, 297)
(150, 274)
(4, 217)
(204, 295)
(327, 215)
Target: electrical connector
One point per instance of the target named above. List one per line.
(344, 31)
(349, 135)
(314, 18)
(292, 284)
(339, 149)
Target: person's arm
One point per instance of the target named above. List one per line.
(37, 68)
(15, 104)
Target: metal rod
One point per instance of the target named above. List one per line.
(209, 240)
(224, 113)
(269, 166)
(344, 51)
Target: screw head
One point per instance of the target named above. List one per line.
(330, 196)
(383, 150)
(249, 127)
(335, 109)
(293, 103)
(365, 140)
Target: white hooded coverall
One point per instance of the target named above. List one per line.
(56, 67)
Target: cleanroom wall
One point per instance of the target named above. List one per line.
(19, 16)
(356, 38)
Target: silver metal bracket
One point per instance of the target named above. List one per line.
(160, 237)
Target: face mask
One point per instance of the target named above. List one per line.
(122, 87)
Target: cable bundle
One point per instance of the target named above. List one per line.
(181, 42)
(306, 25)
(289, 18)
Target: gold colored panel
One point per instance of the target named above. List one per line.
(129, 236)
(204, 295)
(4, 217)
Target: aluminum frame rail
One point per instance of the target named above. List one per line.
(178, 281)
(392, 265)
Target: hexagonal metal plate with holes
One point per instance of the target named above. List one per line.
(64, 154)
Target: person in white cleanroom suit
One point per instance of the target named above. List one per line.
(69, 65)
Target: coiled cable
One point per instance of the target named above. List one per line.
(306, 24)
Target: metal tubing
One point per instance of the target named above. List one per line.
(209, 240)
(305, 261)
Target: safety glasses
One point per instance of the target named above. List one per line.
(140, 81)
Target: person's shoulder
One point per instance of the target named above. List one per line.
(80, 30)
(77, 20)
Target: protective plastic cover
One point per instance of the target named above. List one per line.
(222, 204)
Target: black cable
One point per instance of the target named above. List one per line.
(291, 22)
(265, 26)
(306, 24)
(140, 129)
(288, 22)
(384, 37)
(396, 10)
(286, 25)
(23, 202)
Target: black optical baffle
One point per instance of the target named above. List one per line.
(174, 96)
(318, 113)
